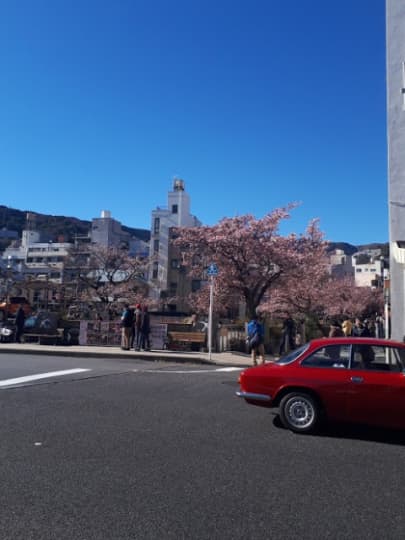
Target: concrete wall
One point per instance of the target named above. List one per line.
(395, 21)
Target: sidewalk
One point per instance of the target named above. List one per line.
(234, 359)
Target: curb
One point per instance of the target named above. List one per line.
(155, 357)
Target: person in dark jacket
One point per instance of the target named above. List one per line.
(360, 330)
(126, 327)
(287, 341)
(137, 335)
(19, 323)
(145, 329)
(335, 330)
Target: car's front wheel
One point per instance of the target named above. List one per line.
(300, 412)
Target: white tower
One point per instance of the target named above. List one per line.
(176, 214)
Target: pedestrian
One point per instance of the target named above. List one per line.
(369, 324)
(335, 330)
(255, 338)
(287, 335)
(359, 329)
(347, 327)
(145, 329)
(19, 323)
(379, 325)
(126, 327)
(137, 334)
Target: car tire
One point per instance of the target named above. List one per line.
(2, 316)
(300, 412)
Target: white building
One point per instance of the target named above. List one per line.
(368, 274)
(36, 259)
(176, 214)
(108, 232)
(341, 265)
(395, 35)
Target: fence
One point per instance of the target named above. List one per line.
(108, 333)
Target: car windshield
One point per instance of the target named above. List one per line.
(292, 355)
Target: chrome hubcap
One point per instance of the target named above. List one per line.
(300, 413)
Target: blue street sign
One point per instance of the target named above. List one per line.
(212, 270)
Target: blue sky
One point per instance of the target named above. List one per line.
(254, 103)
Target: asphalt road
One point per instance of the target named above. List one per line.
(141, 450)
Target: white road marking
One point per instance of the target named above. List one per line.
(230, 369)
(38, 376)
(191, 370)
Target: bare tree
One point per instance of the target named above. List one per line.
(100, 279)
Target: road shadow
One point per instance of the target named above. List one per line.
(357, 432)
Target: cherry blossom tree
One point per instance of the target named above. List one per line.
(342, 298)
(309, 291)
(298, 292)
(250, 253)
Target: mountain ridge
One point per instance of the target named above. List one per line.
(55, 226)
(69, 227)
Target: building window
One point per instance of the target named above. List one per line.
(195, 285)
(173, 288)
(175, 208)
(156, 225)
(174, 263)
(358, 269)
(156, 246)
(155, 270)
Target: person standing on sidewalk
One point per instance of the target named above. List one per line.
(347, 327)
(287, 341)
(19, 323)
(255, 331)
(137, 334)
(145, 329)
(126, 327)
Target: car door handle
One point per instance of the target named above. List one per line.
(357, 379)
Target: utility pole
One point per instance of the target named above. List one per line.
(212, 272)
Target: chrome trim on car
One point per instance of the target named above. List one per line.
(251, 395)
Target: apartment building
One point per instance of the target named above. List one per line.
(341, 265)
(166, 276)
(107, 231)
(368, 274)
(36, 259)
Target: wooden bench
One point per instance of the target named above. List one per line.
(40, 338)
(186, 337)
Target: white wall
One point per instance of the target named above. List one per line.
(395, 19)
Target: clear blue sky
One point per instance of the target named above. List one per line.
(254, 103)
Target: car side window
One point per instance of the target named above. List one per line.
(378, 358)
(331, 356)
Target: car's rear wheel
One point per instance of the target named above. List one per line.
(300, 412)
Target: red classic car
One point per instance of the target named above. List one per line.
(359, 380)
